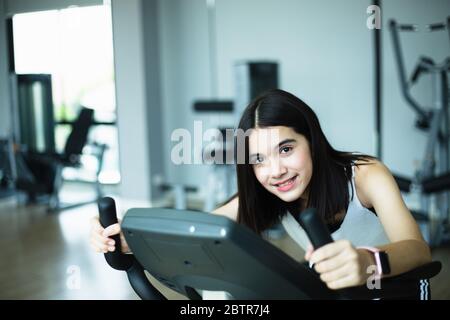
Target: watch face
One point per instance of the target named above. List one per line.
(385, 266)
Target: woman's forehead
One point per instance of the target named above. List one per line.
(261, 140)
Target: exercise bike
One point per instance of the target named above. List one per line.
(192, 252)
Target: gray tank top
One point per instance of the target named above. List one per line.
(360, 226)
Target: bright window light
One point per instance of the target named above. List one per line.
(75, 46)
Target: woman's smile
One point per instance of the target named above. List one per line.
(286, 185)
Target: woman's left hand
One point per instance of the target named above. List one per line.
(341, 265)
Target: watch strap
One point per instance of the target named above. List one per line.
(376, 255)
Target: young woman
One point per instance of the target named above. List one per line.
(289, 166)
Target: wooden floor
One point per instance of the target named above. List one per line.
(47, 256)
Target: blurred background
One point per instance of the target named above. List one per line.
(97, 96)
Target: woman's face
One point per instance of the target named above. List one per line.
(281, 160)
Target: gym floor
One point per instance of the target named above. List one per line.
(47, 256)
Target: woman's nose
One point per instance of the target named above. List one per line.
(277, 169)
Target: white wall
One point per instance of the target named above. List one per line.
(154, 107)
(131, 98)
(324, 50)
(185, 75)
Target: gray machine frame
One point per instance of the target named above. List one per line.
(433, 176)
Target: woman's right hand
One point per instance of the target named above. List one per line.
(99, 237)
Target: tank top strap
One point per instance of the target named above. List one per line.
(352, 188)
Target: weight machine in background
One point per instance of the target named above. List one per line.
(431, 182)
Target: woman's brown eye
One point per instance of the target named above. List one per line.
(285, 149)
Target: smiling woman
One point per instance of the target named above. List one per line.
(285, 145)
(291, 166)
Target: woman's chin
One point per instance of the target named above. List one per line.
(288, 199)
(293, 195)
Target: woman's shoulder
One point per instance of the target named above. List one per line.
(369, 168)
(370, 174)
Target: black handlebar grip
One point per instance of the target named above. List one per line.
(108, 216)
(318, 233)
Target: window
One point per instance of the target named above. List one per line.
(75, 47)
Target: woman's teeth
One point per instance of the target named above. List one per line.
(286, 183)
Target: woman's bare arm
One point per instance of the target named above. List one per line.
(376, 187)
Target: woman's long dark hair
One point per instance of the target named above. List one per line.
(328, 189)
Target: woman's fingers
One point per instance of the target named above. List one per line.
(111, 230)
(339, 265)
(337, 261)
(338, 273)
(100, 246)
(102, 239)
(309, 252)
(99, 237)
(330, 250)
(350, 280)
